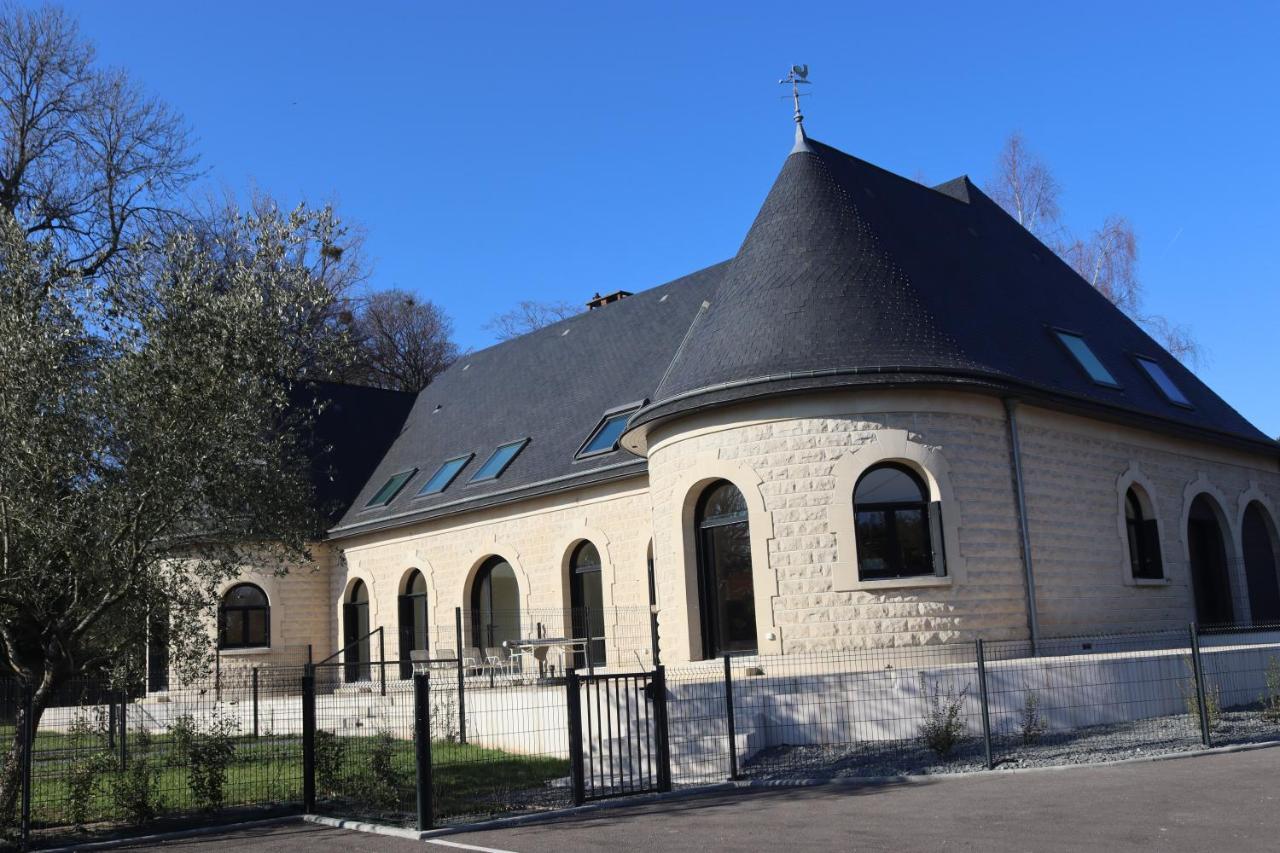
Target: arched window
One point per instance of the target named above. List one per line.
(899, 533)
(413, 621)
(1260, 565)
(355, 633)
(495, 607)
(1144, 538)
(725, 584)
(244, 618)
(586, 597)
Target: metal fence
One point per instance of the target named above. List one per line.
(461, 741)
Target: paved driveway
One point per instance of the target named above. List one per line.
(1218, 802)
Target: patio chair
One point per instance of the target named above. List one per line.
(472, 661)
(444, 659)
(498, 659)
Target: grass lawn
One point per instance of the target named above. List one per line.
(372, 776)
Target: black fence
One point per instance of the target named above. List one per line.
(460, 742)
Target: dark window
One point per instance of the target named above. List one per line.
(1084, 356)
(391, 488)
(444, 475)
(495, 607)
(1162, 381)
(1260, 566)
(1144, 540)
(899, 533)
(413, 621)
(244, 618)
(355, 633)
(604, 438)
(725, 584)
(498, 461)
(586, 598)
(1206, 546)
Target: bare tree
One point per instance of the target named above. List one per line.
(1025, 187)
(1107, 258)
(86, 158)
(402, 342)
(529, 316)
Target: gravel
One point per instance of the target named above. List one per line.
(1112, 742)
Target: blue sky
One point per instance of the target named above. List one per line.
(498, 152)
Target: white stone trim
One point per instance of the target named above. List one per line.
(1134, 476)
(892, 445)
(704, 470)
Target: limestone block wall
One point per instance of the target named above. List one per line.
(1076, 472)
(537, 538)
(796, 461)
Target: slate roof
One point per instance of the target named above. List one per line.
(551, 386)
(348, 438)
(849, 276)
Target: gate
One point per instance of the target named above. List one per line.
(618, 734)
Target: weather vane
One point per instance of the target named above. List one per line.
(799, 74)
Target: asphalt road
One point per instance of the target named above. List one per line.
(1228, 802)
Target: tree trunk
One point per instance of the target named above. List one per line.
(11, 767)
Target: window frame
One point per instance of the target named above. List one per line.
(1142, 361)
(1142, 540)
(520, 444)
(712, 628)
(408, 475)
(465, 459)
(626, 410)
(927, 511)
(1060, 334)
(244, 610)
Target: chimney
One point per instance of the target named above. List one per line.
(599, 301)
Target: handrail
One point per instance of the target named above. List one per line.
(354, 642)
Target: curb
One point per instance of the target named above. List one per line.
(194, 832)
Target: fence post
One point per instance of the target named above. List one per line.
(382, 659)
(422, 746)
(660, 714)
(309, 739)
(28, 735)
(980, 653)
(728, 713)
(124, 730)
(255, 701)
(462, 680)
(574, 704)
(111, 724)
(1197, 669)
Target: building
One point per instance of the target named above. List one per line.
(893, 418)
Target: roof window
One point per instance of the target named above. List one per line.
(1162, 381)
(444, 475)
(1084, 356)
(391, 488)
(604, 438)
(498, 461)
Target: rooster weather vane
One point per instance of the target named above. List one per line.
(797, 76)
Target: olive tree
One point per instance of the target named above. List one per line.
(150, 446)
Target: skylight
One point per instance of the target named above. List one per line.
(604, 439)
(444, 475)
(1162, 381)
(391, 488)
(1092, 365)
(498, 461)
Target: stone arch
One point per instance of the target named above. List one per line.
(892, 445)
(1144, 489)
(1211, 564)
(694, 479)
(479, 558)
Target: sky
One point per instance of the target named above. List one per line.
(495, 152)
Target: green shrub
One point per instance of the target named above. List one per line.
(377, 784)
(1033, 724)
(330, 752)
(1212, 700)
(210, 752)
(942, 729)
(1271, 699)
(135, 790)
(85, 773)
